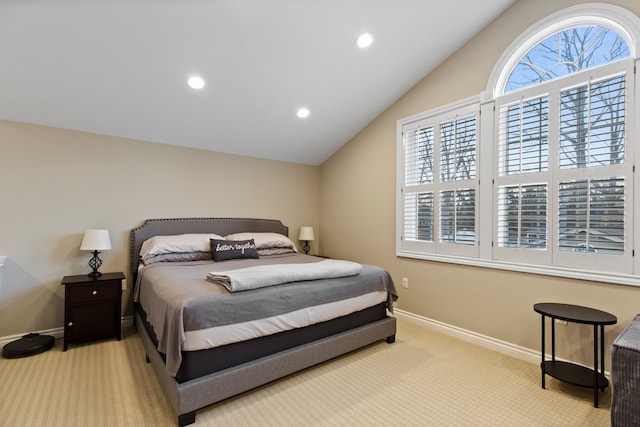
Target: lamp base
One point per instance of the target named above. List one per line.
(95, 262)
(306, 247)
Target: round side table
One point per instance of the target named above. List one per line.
(567, 371)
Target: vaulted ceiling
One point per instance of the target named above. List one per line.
(121, 67)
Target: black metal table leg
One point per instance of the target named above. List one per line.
(602, 352)
(553, 339)
(596, 389)
(543, 354)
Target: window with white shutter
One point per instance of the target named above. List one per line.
(555, 192)
(561, 177)
(439, 183)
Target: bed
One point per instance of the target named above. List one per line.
(199, 363)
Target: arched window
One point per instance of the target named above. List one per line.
(562, 172)
(566, 52)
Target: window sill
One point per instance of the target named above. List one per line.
(618, 279)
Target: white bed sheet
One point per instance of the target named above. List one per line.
(221, 335)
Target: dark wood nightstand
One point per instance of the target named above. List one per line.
(92, 307)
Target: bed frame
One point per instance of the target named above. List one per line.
(189, 396)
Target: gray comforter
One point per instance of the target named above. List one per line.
(177, 297)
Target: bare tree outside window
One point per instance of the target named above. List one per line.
(567, 52)
(458, 163)
(458, 149)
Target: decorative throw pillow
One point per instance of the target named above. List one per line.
(230, 249)
(264, 240)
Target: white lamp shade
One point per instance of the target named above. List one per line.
(306, 233)
(96, 240)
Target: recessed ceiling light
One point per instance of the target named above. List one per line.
(364, 40)
(303, 113)
(195, 82)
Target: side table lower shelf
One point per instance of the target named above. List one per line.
(574, 374)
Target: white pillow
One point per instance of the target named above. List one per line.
(176, 244)
(265, 240)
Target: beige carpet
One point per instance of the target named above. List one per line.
(424, 379)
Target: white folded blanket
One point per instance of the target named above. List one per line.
(269, 275)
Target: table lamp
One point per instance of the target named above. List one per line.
(306, 234)
(96, 241)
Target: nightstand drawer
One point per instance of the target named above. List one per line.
(93, 292)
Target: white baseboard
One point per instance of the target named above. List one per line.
(490, 343)
(57, 333)
(500, 346)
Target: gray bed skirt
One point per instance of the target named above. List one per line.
(187, 397)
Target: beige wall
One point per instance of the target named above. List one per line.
(54, 184)
(357, 211)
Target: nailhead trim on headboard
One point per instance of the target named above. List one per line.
(221, 226)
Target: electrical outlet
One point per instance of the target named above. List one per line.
(405, 283)
(561, 322)
(124, 285)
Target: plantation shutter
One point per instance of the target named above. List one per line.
(561, 190)
(418, 171)
(439, 184)
(524, 133)
(592, 215)
(522, 188)
(458, 216)
(522, 216)
(593, 178)
(592, 122)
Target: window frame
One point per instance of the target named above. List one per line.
(552, 256)
(613, 17)
(462, 109)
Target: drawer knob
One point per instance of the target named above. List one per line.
(95, 292)
(70, 324)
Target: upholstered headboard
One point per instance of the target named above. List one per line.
(221, 226)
